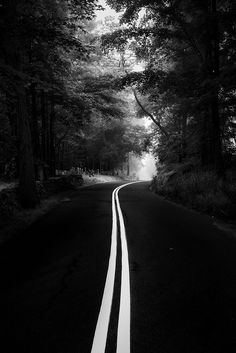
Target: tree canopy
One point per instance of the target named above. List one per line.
(70, 86)
(188, 50)
(58, 104)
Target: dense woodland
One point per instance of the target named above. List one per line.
(70, 86)
(189, 77)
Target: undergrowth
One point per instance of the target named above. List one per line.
(200, 190)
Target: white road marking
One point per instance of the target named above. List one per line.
(100, 336)
(123, 331)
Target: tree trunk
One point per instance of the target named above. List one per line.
(27, 185)
(35, 129)
(214, 104)
(183, 142)
(44, 137)
(206, 151)
(13, 57)
(52, 153)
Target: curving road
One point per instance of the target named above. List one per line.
(181, 278)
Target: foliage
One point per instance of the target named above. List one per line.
(55, 84)
(38, 41)
(108, 143)
(200, 190)
(99, 132)
(65, 83)
(188, 49)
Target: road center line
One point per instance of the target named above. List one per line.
(100, 336)
(123, 331)
(123, 334)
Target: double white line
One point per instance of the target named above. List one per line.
(123, 330)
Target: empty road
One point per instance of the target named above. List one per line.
(117, 269)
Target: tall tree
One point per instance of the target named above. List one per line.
(36, 39)
(182, 44)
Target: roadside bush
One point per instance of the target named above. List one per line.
(63, 183)
(200, 190)
(8, 204)
(217, 204)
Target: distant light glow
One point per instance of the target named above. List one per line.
(108, 11)
(147, 122)
(148, 169)
(139, 67)
(142, 168)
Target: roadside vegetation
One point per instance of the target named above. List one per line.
(71, 86)
(59, 109)
(200, 190)
(186, 84)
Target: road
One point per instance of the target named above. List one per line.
(181, 273)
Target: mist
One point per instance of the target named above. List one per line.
(142, 168)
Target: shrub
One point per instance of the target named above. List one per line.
(201, 190)
(8, 204)
(63, 183)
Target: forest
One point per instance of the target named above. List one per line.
(72, 85)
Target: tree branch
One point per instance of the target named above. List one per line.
(156, 122)
(150, 115)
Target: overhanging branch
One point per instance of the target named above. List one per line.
(161, 128)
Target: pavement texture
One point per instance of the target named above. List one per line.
(182, 270)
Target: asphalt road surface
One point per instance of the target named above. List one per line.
(178, 295)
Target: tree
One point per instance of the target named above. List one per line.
(98, 110)
(36, 39)
(182, 44)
